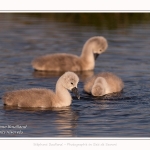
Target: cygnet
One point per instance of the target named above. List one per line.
(68, 62)
(103, 83)
(41, 97)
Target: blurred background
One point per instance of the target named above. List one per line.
(98, 20)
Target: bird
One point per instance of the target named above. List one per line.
(69, 62)
(45, 98)
(103, 83)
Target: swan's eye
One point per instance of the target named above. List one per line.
(71, 83)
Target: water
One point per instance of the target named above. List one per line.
(126, 114)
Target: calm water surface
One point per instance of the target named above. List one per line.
(126, 114)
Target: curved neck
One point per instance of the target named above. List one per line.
(104, 83)
(87, 56)
(63, 94)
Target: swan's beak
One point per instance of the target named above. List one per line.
(96, 55)
(75, 91)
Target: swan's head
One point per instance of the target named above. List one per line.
(98, 88)
(70, 81)
(97, 44)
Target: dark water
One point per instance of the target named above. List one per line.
(126, 114)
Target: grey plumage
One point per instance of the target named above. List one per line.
(69, 62)
(103, 83)
(41, 97)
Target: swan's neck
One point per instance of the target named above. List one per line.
(63, 95)
(87, 57)
(106, 86)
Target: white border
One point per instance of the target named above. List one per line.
(75, 143)
(56, 6)
(74, 5)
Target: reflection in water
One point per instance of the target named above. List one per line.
(60, 122)
(83, 75)
(103, 102)
(66, 122)
(113, 96)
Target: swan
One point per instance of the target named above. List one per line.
(68, 62)
(103, 83)
(41, 97)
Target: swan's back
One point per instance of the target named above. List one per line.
(114, 82)
(35, 97)
(89, 83)
(57, 62)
